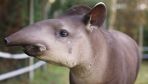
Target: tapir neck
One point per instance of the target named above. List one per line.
(97, 62)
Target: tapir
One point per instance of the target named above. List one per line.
(78, 40)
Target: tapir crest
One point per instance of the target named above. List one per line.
(77, 40)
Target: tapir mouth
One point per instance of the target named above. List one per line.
(34, 50)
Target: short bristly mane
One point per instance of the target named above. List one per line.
(77, 10)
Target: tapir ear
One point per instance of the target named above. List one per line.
(77, 10)
(96, 15)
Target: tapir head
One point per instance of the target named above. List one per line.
(64, 40)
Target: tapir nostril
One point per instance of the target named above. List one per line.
(6, 41)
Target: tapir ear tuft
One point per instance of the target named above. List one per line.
(78, 10)
(96, 15)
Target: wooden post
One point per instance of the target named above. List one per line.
(31, 21)
(113, 11)
(141, 39)
(47, 8)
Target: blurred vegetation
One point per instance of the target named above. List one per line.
(53, 75)
(143, 75)
(14, 14)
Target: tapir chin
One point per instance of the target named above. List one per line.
(78, 40)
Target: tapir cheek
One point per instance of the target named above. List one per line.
(63, 59)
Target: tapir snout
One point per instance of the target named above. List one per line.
(31, 38)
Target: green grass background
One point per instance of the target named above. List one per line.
(143, 75)
(59, 75)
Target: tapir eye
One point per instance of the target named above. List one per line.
(63, 33)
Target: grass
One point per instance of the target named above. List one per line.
(143, 75)
(59, 75)
(52, 75)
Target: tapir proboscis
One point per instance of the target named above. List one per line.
(78, 40)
